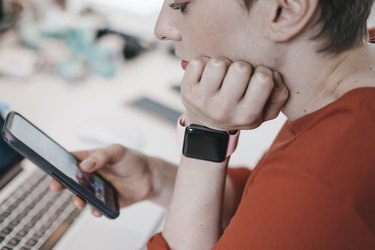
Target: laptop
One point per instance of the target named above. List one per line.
(33, 217)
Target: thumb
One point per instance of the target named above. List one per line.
(95, 161)
(277, 99)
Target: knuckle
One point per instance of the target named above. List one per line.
(264, 75)
(223, 60)
(218, 62)
(242, 67)
(197, 62)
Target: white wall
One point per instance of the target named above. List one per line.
(136, 17)
(141, 7)
(371, 21)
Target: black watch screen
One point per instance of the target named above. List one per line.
(205, 144)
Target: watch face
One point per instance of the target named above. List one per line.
(205, 144)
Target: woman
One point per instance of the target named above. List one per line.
(245, 61)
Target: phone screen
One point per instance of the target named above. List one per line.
(62, 160)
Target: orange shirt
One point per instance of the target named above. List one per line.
(315, 187)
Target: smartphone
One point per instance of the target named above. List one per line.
(44, 152)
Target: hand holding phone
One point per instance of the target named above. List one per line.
(35, 145)
(132, 173)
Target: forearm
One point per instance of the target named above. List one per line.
(163, 180)
(194, 218)
(164, 177)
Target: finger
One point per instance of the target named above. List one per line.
(95, 161)
(81, 155)
(236, 81)
(278, 98)
(96, 213)
(213, 76)
(101, 157)
(259, 90)
(79, 203)
(56, 186)
(193, 73)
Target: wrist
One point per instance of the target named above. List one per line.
(203, 166)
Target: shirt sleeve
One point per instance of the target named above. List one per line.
(157, 242)
(239, 177)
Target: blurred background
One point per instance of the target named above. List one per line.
(74, 38)
(90, 73)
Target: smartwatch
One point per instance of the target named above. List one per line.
(200, 142)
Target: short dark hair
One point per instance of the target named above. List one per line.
(343, 23)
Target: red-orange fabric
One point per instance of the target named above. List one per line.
(371, 35)
(157, 242)
(315, 187)
(239, 177)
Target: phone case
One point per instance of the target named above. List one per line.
(56, 173)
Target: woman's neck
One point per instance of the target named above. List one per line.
(316, 79)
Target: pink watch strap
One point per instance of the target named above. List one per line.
(232, 143)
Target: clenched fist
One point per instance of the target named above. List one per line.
(226, 95)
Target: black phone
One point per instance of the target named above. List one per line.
(44, 152)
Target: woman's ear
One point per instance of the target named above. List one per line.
(290, 17)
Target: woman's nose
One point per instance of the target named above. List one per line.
(166, 25)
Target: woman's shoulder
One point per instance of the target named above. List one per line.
(357, 103)
(335, 143)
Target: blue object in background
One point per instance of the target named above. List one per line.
(4, 109)
(8, 156)
(82, 43)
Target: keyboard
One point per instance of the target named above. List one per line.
(33, 217)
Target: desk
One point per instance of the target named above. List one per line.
(70, 113)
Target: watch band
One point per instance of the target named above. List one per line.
(181, 128)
